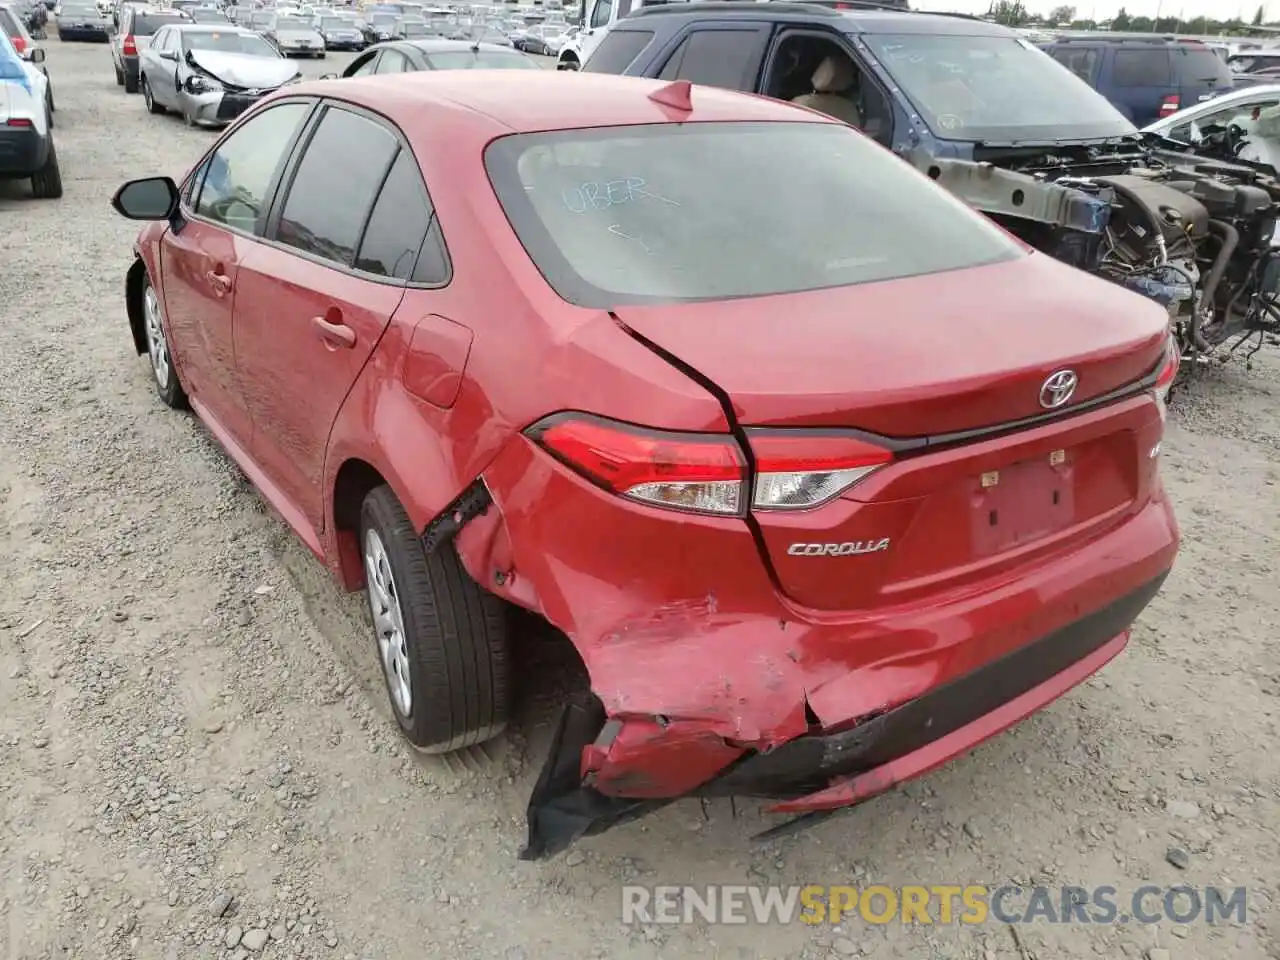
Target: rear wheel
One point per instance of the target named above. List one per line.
(568, 63)
(119, 77)
(148, 98)
(441, 640)
(130, 83)
(46, 183)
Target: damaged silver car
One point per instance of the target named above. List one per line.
(208, 74)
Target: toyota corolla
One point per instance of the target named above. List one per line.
(826, 477)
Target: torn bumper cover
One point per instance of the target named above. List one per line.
(820, 772)
(707, 681)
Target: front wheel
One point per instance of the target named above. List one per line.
(148, 98)
(568, 64)
(168, 387)
(441, 640)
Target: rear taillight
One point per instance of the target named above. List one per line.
(707, 473)
(18, 122)
(129, 46)
(698, 472)
(1165, 376)
(799, 469)
(19, 44)
(1169, 105)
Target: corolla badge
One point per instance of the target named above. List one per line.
(1058, 389)
(850, 548)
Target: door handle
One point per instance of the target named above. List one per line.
(335, 334)
(220, 282)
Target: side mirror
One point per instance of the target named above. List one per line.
(168, 54)
(151, 198)
(36, 55)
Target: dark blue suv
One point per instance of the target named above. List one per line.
(1145, 77)
(948, 86)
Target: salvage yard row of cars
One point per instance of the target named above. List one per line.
(550, 304)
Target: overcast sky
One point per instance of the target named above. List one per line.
(1103, 9)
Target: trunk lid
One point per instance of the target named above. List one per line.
(926, 357)
(915, 357)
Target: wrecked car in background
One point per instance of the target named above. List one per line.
(573, 345)
(210, 74)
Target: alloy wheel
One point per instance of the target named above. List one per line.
(388, 622)
(157, 346)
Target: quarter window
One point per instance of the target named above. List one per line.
(398, 223)
(334, 186)
(235, 182)
(1142, 68)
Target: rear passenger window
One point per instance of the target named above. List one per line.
(334, 186)
(617, 51)
(398, 224)
(718, 58)
(1142, 68)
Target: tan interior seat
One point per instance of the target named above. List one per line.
(833, 78)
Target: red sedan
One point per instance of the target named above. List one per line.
(827, 478)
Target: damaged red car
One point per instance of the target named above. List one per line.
(827, 478)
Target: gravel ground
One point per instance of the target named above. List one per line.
(197, 761)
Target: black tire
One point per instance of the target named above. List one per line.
(170, 389)
(130, 83)
(46, 183)
(569, 63)
(455, 633)
(149, 99)
(119, 77)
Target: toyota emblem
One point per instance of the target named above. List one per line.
(1057, 390)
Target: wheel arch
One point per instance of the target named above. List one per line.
(134, 282)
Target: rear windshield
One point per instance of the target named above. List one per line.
(336, 23)
(1200, 65)
(709, 211)
(293, 23)
(78, 11)
(249, 43)
(480, 60)
(997, 89)
(145, 24)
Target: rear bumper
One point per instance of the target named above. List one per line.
(22, 152)
(74, 33)
(820, 773)
(734, 690)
